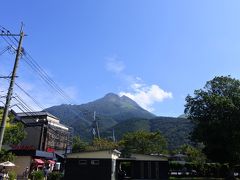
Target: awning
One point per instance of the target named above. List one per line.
(7, 164)
(51, 162)
(39, 161)
(34, 153)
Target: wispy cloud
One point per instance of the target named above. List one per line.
(114, 65)
(146, 95)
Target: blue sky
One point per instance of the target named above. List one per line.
(156, 52)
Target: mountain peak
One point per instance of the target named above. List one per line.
(111, 95)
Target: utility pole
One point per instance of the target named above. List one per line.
(10, 89)
(95, 126)
(113, 135)
(98, 133)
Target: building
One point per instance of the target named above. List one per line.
(108, 165)
(141, 166)
(92, 165)
(44, 132)
(47, 141)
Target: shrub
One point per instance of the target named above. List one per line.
(55, 176)
(37, 175)
(12, 175)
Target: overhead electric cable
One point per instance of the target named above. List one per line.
(32, 98)
(20, 100)
(4, 50)
(41, 72)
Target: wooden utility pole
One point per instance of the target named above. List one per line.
(10, 89)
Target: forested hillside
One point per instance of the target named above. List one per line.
(175, 130)
(110, 110)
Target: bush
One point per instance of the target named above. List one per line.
(37, 175)
(12, 175)
(55, 176)
(224, 170)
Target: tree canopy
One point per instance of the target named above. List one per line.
(78, 144)
(143, 142)
(97, 144)
(14, 132)
(215, 111)
(194, 154)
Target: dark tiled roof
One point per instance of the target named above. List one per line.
(35, 114)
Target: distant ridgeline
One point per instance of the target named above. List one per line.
(123, 115)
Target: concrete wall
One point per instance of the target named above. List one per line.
(21, 163)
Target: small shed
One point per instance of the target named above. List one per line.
(91, 165)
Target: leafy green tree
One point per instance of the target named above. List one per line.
(193, 154)
(102, 144)
(6, 156)
(143, 142)
(215, 111)
(78, 144)
(14, 132)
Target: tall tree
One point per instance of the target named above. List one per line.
(102, 144)
(194, 154)
(215, 111)
(78, 144)
(143, 142)
(14, 132)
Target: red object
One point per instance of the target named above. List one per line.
(39, 161)
(51, 162)
(50, 149)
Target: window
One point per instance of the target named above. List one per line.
(82, 162)
(95, 162)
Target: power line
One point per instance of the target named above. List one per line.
(35, 66)
(21, 101)
(6, 32)
(45, 77)
(4, 50)
(32, 98)
(10, 89)
(41, 72)
(28, 95)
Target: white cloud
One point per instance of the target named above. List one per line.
(114, 65)
(146, 96)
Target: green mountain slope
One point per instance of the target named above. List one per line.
(123, 115)
(110, 110)
(175, 130)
